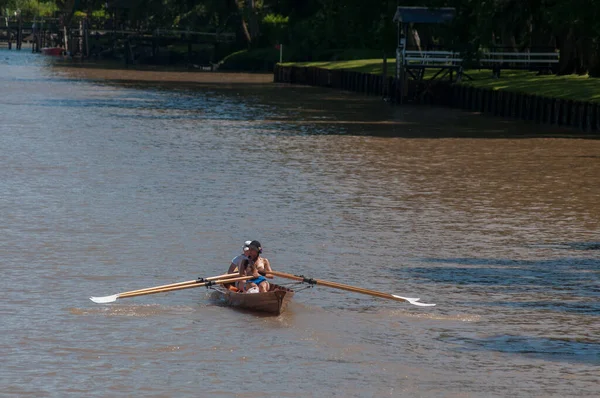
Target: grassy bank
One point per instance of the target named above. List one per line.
(574, 87)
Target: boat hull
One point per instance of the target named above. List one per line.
(272, 302)
(53, 51)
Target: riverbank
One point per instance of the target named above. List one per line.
(571, 101)
(568, 87)
(116, 71)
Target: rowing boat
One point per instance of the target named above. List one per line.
(54, 51)
(273, 302)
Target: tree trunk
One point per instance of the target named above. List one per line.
(246, 32)
(252, 19)
(584, 55)
(248, 19)
(594, 66)
(568, 53)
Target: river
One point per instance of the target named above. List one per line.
(114, 180)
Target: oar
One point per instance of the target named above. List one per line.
(349, 288)
(134, 293)
(191, 282)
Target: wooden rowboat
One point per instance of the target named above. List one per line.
(273, 302)
(54, 51)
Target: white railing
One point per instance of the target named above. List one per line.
(432, 58)
(442, 58)
(520, 57)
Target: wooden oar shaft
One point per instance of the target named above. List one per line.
(191, 282)
(337, 286)
(174, 288)
(360, 290)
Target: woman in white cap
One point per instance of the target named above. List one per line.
(238, 263)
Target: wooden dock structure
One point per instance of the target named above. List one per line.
(35, 34)
(86, 39)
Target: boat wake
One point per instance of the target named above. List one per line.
(143, 311)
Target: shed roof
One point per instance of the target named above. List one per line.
(424, 14)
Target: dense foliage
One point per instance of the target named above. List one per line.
(315, 28)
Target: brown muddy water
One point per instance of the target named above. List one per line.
(117, 180)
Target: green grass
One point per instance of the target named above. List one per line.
(359, 65)
(574, 87)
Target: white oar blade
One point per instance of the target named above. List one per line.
(105, 299)
(414, 301)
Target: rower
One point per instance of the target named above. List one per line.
(240, 262)
(255, 264)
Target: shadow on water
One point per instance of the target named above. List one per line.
(581, 245)
(495, 271)
(573, 283)
(550, 349)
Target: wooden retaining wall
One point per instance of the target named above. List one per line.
(581, 115)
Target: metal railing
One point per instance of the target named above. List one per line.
(444, 58)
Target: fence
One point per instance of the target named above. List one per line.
(495, 61)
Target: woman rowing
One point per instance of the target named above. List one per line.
(250, 263)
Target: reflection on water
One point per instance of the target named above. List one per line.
(114, 180)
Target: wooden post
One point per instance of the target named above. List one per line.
(402, 72)
(66, 38)
(19, 33)
(80, 39)
(40, 36)
(189, 46)
(86, 30)
(128, 52)
(33, 32)
(113, 44)
(384, 75)
(37, 40)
